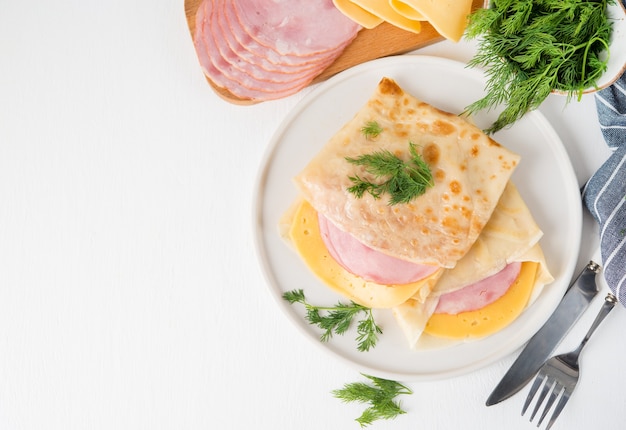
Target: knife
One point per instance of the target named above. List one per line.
(539, 348)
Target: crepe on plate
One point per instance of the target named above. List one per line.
(470, 172)
(435, 230)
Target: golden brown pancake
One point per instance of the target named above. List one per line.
(470, 171)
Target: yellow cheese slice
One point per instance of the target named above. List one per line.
(491, 318)
(448, 17)
(357, 14)
(304, 234)
(405, 10)
(383, 9)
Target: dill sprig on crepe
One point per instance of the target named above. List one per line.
(371, 129)
(402, 181)
(531, 47)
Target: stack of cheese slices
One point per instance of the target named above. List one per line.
(448, 17)
(460, 261)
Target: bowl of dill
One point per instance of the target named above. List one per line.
(530, 49)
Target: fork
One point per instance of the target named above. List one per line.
(561, 372)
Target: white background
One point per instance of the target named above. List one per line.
(130, 293)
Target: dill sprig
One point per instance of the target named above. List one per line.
(371, 129)
(531, 47)
(401, 180)
(380, 395)
(338, 319)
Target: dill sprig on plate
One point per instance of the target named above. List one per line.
(531, 47)
(338, 319)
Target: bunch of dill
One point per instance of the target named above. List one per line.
(529, 48)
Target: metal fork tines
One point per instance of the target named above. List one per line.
(559, 374)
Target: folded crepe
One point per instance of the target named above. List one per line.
(470, 171)
(471, 224)
(510, 236)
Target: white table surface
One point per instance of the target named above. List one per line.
(130, 293)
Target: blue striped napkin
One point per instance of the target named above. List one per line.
(605, 193)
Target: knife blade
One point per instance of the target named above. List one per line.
(540, 347)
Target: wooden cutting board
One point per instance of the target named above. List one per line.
(382, 41)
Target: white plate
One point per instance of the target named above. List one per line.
(544, 177)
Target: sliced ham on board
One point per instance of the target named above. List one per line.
(228, 71)
(267, 49)
(244, 51)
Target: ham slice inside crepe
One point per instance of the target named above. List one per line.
(300, 227)
(479, 294)
(367, 263)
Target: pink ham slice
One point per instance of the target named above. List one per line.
(246, 57)
(300, 28)
(479, 294)
(254, 50)
(221, 72)
(367, 263)
(279, 59)
(224, 68)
